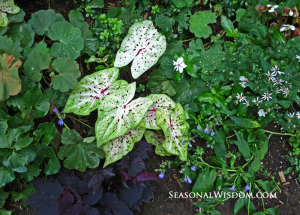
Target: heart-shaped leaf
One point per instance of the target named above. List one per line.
(144, 45)
(10, 83)
(117, 113)
(21, 32)
(121, 146)
(155, 139)
(160, 101)
(175, 129)
(7, 6)
(68, 70)
(91, 91)
(69, 37)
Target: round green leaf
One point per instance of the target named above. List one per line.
(199, 23)
(21, 32)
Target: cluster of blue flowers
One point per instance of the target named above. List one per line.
(247, 188)
(60, 121)
(208, 131)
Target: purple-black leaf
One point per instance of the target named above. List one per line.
(111, 202)
(132, 194)
(146, 196)
(92, 197)
(45, 200)
(141, 149)
(104, 211)
(97, 179)
(87, 210)
(70, 202)
(143, 176)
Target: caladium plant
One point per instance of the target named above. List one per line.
(7, 6)
(157, 140)
(175, 129)
(160, 101)
(118, 113)
(144, 45)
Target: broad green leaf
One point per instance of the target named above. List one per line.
(6, 176)
(240, 13)
(21, 32)
(182, 19)
(219, 146)
(43, 19)
(96, 4)
(218, 160)
(157, 140)
(5, 212)
(4, 117)
(23, 142)
(6, 42)
(41, 47)
(68, 70)
(10, 83)
(79, 155)
(155, 79)
(46, 133)
(7, 6)
(256, 163)
(273, 211)
(92, 90)
(34, 65)
(17, 17)
(3, 196)
(75, 15)
(205, 181)
(33, 170)
(15, 196)
(228, 26)
(244, 123)
(279, 36)
(199, 23)
(242, 146)
(118, 113)
(144, 45)
(167, 88)
(15, 160)
(160, 101)
(117, 148)
(195, 45)
(182, 3)
(70, 41)
(164, 22)
(175, 129)
(239, 204)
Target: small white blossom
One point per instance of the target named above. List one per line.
(276, 70)
(291, 13)
(298, 115)
(287, 27)
(282, 89)
(272, 7)
(286, 92)
(291, 115)
(277, 81)
(179, 65)
(241, 97)
(246, 103)
(271, 76)
(261, 113)
(298, 57)
(267, 96)
(256, 101)
(243, 81)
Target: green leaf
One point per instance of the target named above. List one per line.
(33, 170)
(195, 45)
(157, 140)
(219, 183)
(273, 211)
(219, 147)
(15, 160)
(114, 12)
(4, 117)
(182, 3)
(205, 181)
(182, 19)
(17, 17)
(43, 19)
(256, 163)
(6, 176)
(264, 148)
(21, 32)
(5, 212)
(34, 65)
(285, 103)
(199, 23)
(167, 88)
(218, 160)
(242, 146)
(46, 132)
(68, 70)
(175, 129)
(3, 196)
(228, 26)
(7, 6)
(75, 15)
(240, 13)
(164, 22)
(154, 81)
(96, 4)
(70, 40)
(279, 36)
(10, 83)
(239, 204)
(23, 142)
(79, 155)
(244, 123)
(117, 148)
(15, 196)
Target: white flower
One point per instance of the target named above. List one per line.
(298, 115)
(291, 13)
(272, 7)
(277, 81)
(243, 81)
(276, 70)
(256, 101)
(179, 65)
(287, 27)
(267, 96)
(261, 113)
(246, 103)
(298, 57)
(291, 115)
(241, 97)
(286, 91)
(271, 76)
(282, 89)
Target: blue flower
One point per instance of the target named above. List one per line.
(247, 188)
(187, 180)
(60, 122)
(184, 143)
(193, 168)
(232, 188)
(206, 130)
(55, 111)
(161, 175)
(212, 133)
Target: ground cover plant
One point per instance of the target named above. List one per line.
(86, 96)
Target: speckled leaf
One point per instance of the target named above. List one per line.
(35, 64)
(175, 129)
(160, 101)
(10, 83)
(117, 113)
(21, 32)
(155, 139)
(68, 70)
(121, 146)
(7, 6)
(144, 45)
(70, 40)
(91, 91)
(43, 19)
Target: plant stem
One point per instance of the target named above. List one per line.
(271, 132)
(67, 127)
(80, 121)
(188, 39)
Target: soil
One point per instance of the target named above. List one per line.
(287, 201)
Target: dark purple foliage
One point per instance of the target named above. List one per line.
(131, 194)
(87, 210)
(69, 203)
(92, 197)
(112, 203)
(143, 176)
(146, 196)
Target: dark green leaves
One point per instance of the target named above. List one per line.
(244, 123)
(205, 181)
(21, 32)
(45, 133)
(164, 22)
(182, 3)
(242, 146)
(228, 26)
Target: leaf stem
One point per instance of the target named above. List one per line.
(271, 132)
(80, 121)
(188, 39)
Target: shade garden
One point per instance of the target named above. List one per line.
(149, 107)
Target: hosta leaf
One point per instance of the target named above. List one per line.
(7, 6)
(160, 101)
(121, 146)
(156, 140)
(43, 19)
(10, 83)
(35, 64)
(199, 23)
(6, 176)
(144, 45)
(70, 40)
(21, 32)
(117, 113)
(175, 129)
(91, 91)
(79, 155)
(68, 74)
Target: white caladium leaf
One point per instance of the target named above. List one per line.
(117, 148)
(91, 90)
(157, 140)
(175, 129)
(7, 6)
(160, 101)
(117, 113)
(144, 45)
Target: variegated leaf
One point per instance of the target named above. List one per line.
(7, 6)
(175, 129)
(155, 139)
(117, 113)
(160, 101)
(121, 146)
(144, 45)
